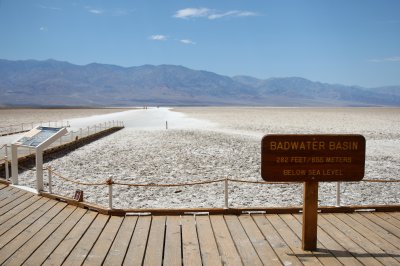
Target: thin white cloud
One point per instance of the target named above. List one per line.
(116, 12)
(158, 37)
(393, 59)
(246, 14)
(96, 11)
(221, 15)
(43, 28)
(211, 14)
(187, 41)
(192, 13)
(387, 59)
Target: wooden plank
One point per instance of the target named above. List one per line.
(137, 247)
(345, 241)
(242, 242)
(208, 245)
(332, 246)
(51, 243)
(190, 243)
(7, 192)
(100, 249)
(85, 244)
(173, 243)
(25, 249)
(362, 241)
(261, 245)
(294, 242)
(155, 244)
(226, 246)
(370, 235)
(21, 211)
(395, 215)
(116, 254)
(283, 251)
(14, 196)
(394, 240)
(388, 218)
(15, 203)
(14, 227)
(19, 238)
(382, 223)
(324, 256)
(68, 243)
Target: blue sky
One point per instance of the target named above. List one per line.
(351, 42)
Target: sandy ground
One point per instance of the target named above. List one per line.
(212, 143)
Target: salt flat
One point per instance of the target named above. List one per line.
(211, 143)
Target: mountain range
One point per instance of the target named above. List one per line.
(56, 83)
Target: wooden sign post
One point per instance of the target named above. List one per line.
(78, 195)
(312, 159)
(310, 216)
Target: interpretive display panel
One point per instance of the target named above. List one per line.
(37, 136)
(303, 158)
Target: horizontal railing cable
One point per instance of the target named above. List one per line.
(108, 182)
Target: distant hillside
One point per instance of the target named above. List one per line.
(50, 82)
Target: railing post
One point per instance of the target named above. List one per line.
(80, 133)
(110, 193)
(88, 131)
(6, 165)
(226, 194)
(50, 181)
(337, 194)
(22, 127)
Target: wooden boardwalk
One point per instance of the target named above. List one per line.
(39, 231)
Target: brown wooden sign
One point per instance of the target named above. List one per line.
(309, 158)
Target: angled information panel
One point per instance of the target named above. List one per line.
(38, 136)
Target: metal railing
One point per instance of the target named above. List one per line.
(71, 136)
(23, 127)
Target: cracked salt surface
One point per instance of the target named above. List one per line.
(212, 143)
